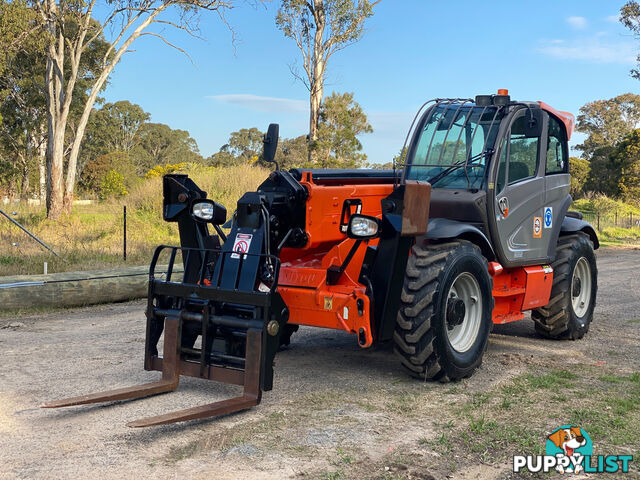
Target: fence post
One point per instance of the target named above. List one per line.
(124, 238)
(630, 219)
(598, 221)
(616, 220)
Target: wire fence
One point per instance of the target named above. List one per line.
(600, 221)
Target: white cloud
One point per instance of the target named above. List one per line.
(578, 23)
(612, 18)
(595, 49)
(263, 104)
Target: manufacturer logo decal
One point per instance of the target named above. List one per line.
(537, 227)
(241, 244)
(548, 217)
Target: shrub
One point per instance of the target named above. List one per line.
(161, 170)
(112, 185)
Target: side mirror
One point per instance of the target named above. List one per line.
(271, 143)
(533, 123)
(208, 211)
(363, 227)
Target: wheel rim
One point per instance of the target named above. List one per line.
(463, 335)
(581, 287)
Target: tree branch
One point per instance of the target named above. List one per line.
(181, 50)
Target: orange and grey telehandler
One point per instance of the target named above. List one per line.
(472, 229)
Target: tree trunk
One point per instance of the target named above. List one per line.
(24, 185)
(316, 84)
(75, 148)
(42, 169)
(56, 120)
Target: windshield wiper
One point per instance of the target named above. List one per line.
(435, 179)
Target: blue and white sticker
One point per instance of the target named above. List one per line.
(548, 217)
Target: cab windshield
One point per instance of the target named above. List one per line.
(454, 145)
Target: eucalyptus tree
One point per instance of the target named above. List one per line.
(320, 28)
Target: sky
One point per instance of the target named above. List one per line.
(565, 53)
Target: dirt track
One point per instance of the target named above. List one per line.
(336, 411)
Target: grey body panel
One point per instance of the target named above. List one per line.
(461, 205)
(447, 229)
(574, 225)
(528, 200)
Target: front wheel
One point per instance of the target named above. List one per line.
(573, 294)
(444, 320)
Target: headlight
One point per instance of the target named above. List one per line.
(203, 210)
(362, 226)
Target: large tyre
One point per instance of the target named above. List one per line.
(444, 320)
(573, 294)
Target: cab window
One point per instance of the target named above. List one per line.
(523, 153)
(556, 148)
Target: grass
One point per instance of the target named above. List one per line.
(612, 214)
(92, 236)
(612, 236)
(461, 427)
(608, 409)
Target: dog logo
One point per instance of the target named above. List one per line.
(571, 442)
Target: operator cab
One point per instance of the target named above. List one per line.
(492, 163)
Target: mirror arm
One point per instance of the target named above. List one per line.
(220, 232)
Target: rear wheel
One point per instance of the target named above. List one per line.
(445, 315)
(573, 294)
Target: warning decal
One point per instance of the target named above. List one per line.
(241, 244)
(537, 227)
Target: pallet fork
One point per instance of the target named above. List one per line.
(247, 322)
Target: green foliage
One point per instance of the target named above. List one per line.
(293, 152)
(630, 18)
(113, 128)
(95, 172)
(607, 122)
(244, 146)
(160, 144)
(619, 236)
(341, 121)
(344, 18)
(579, 169)
(112, 185)
(161, 170)
(604, 206)
(625, 161)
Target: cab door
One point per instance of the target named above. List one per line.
(519, 181)
(557, 180)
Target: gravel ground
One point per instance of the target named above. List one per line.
(322, 405)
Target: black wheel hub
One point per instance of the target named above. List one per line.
(577, 287)
(455, 312)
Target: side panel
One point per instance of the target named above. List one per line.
(518, 232)
(519, 289)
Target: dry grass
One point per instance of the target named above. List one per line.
(92, 236)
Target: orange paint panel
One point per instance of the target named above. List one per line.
(565, 117)
(518, 289)
(325, 203)
(329, 308)
(303, 279)
(539, 280)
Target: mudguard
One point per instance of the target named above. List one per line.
(446, 229)
(574, 225)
